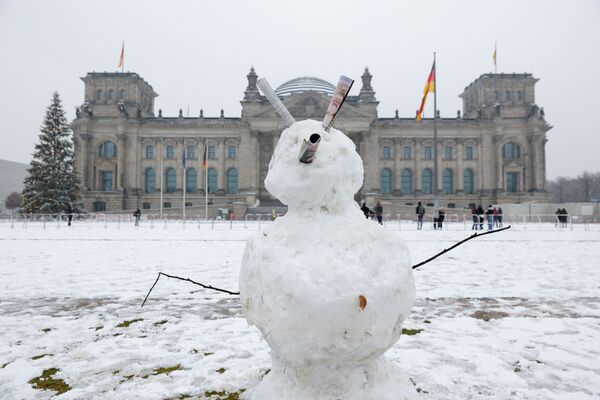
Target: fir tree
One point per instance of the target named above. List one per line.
(52, 185)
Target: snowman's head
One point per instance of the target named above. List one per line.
(329, 181)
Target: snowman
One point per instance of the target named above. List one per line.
(327, 288)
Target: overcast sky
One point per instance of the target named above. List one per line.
(197, 54)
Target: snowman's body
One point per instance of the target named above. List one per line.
(302, 276)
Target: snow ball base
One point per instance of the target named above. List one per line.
(302, 276)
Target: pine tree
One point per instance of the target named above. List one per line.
(52, 185)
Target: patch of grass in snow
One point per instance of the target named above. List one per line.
(40, 356)
(128, 377)
(164, 370)
(125, 324)
(427, 321)
(214, 395)
(221, 370)
(46, 381)
(164, 321)
(411, 332)
(99, 327)
(115, 372)
(208, 354)
(419, 390)
(46, 330)
(487, 315)
(4, 365)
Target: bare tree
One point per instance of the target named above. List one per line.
(13, 200)
(583, 188)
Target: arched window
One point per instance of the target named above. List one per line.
(98, 94)
(122, 94)
(212, 180)
(406, 181)
(150, 180)
(111, 94)
(107, 149)
(232, 181)
(171, 180)
(191, 183)
(386, 181)
(427, 181)
(468, 183)
(448, 181)
(511, 151)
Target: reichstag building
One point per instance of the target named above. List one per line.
(493, 152)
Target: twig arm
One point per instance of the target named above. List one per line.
(473, 236)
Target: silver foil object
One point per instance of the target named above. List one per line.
(309, 148)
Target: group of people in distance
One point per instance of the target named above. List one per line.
(561, 217)
(377, 212)
(437, 220)
(493, 216)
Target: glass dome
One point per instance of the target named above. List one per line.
(303, 84)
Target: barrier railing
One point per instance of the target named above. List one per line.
(454, 221)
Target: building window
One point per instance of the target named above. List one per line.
(106, 180)
(212, 180)
(232, 181)
(427, 153)
(231, 152)
(107, 150)
(386, 181)
(191, 152)
(512, 182)
(497, 95)
(111, 95)
(191, 183)
(167, 204)
(150, 180)
(387, 153)
(507, 95)
(122, 97)
(99, 206)
(468, 183)
(519, 95)
(427, 181)
(406, 153)
(171, 180)
(99, 94)
(448, 181)
(511, 151)
(170, 152)
(149, 151)
(469, 153)
(212, 152)
(406, 181)
(146, 205)
(448, 152)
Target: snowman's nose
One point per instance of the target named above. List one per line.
(309, 148)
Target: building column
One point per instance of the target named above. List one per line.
(417, 164)
(460, 147)
(223, 173)
(121, 154)
(397, 149)
(497, 143)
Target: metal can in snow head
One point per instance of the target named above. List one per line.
(309, 148)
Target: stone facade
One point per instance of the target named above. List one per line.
(493, 153)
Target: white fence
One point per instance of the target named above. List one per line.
(456, 221)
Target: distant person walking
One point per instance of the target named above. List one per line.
(480, 213)
(69, 210)
(439, 220)
(490, 217)
(495, 213)
(500, 217)
(475, 218)
(365, 210)
(379, 212)
(420, 211)
(137, 214)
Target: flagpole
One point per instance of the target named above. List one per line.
(184, 183)
(123, 63)
(162, 153)
(495, 58)
(436, 196)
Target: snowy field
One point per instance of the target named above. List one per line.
(514, 315)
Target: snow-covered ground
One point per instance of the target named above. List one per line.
(514, 315)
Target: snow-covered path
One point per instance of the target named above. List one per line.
(509, 316)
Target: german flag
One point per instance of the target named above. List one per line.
(204, 159)
(122, 58)
(429, 88)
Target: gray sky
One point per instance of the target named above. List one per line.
(197, 54)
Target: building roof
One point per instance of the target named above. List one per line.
(304, 84)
